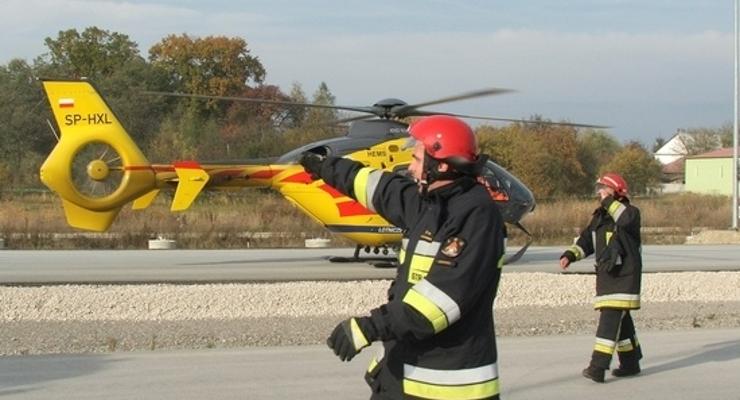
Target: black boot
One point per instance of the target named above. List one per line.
(594, 373)
(628, 370)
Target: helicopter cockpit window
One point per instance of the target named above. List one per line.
(497, 183)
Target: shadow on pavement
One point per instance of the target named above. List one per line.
(715, 352)
(24, 374)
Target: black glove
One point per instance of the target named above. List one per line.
(351, 336)
(312, 163)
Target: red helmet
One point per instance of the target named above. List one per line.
(445, 137)
(614, 181)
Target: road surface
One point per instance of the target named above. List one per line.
(187, 266)
(695, 364)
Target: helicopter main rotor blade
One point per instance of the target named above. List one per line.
(353, 119)
(260, 101)
(523, 121)
(409, 110)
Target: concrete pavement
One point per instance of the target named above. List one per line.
(695, 364)
(255, 265)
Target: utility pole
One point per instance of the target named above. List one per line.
(735, 123)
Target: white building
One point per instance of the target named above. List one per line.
(673, 149)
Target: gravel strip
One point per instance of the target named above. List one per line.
(104, 318)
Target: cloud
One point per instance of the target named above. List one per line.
(26, 23)
(638, 81)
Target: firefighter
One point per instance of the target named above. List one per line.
(436, 328)
(613, 236)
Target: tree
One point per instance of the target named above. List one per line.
(638, 167)
(543, 156)
(595, 148)
(318, 123)
(252, 129)
(296, 115)
(93, 53)
(701, 140)
(24, 134)
(725, 134)
(214, 65)
(658, 143)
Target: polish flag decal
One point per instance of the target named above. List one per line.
(66, 103)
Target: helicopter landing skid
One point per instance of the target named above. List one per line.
(377, 261)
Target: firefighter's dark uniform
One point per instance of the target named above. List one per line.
(437, 327)
(613, 236)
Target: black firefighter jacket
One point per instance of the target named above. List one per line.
(437, 327)
(613, 236)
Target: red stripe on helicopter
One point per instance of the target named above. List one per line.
(301, 177)
(333, 192)
(186, 165)
(265, 174)
(352, 208)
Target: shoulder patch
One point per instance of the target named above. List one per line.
(453, 247)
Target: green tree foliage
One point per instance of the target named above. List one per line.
(318, 123)
(637, 166)
(24, 134)
(112, 62)
(595, 148)
(94, 53)
(296, 115)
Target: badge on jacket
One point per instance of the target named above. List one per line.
(453, 247)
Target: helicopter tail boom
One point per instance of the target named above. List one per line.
(95, 167)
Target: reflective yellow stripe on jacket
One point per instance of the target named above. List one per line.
(422, 260)
(472, 383)
(616, 209)
(577, 251)
(434, 304)
(366, 181)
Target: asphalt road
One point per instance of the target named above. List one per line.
(696, 364)
(150, 266)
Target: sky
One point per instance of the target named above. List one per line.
(644, 67)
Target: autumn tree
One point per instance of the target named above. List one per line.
(252, 129)
(214, 65)
(638, 167)
(543, 156)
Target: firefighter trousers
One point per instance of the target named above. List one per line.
(616, 331)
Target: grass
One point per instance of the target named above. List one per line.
(666, 219)
(230, 220)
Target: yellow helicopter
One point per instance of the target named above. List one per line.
(96, 168)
